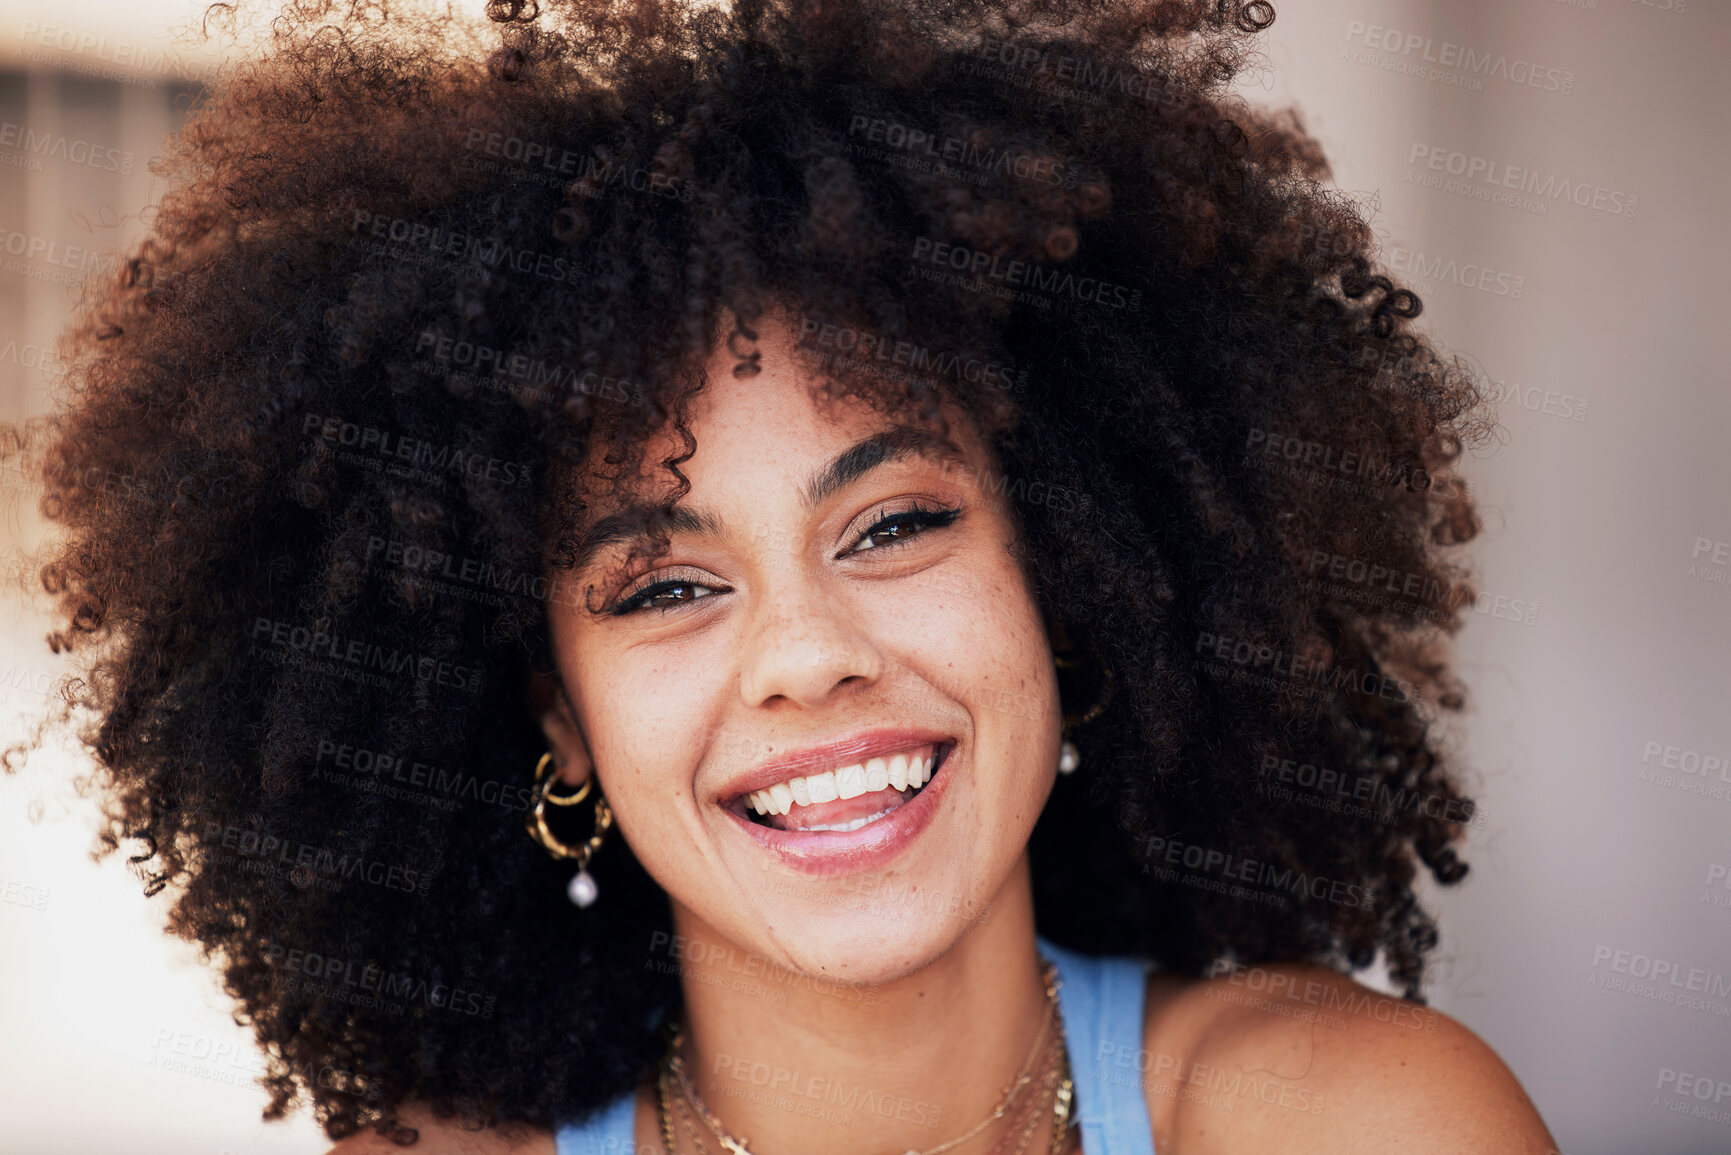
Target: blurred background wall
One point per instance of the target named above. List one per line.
(1548, 174)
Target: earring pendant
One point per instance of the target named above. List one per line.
(1068, 757)
(582, 890)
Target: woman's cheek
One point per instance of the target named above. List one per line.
(979, 637)
(646, 721)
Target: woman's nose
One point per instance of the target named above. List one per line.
(804, 641)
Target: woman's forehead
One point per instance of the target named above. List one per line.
(784, 420)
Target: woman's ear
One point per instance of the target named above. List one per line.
(550, 706)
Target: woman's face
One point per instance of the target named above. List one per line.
(842, 607)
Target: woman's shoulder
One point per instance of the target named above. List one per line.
(435, 1136)
(1300, 1058)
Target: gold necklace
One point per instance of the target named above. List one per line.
(1054, 1082)
(1058, 1063)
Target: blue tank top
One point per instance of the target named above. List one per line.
(1101, 1001)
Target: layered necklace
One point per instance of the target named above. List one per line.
(1047, 1068)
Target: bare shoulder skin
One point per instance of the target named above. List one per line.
(1303, 1060)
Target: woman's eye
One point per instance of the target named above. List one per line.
(664, 595)
(892, 529)
(898, 527)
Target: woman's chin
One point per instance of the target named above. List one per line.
(864, 930)
(861, 949)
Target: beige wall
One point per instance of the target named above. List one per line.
(1595, 517)
(1611, 637)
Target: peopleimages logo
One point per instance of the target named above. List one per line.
(94, 47)
(1669, 972)
(539, 378)
(1383, 798)
(1067, 77)
(418, 241)
(1688, 761)
(1437, 270)
(367, 770)
(1709, 1094)
(52, 252)
(785, 1086)
(1509, 394)
(362, 656)
(20, 894)
(1237, 868)
(558, 167)
(437, 459)
(1501, 175)
(1690, 771)
(1254, 656)
(1025, 274)
(333, 975)
(56, 145)
(858, 347)
(307, 864)
(953, 150)
(1717, 569)
(1379, 469)
(1461, 59)
(483, 576)
(31, 357)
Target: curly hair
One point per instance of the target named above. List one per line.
(412, 277)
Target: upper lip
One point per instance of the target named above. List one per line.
(829, 756)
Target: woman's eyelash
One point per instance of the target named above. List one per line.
(919, 516)
(641, 600)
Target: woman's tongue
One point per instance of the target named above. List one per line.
(841, 811)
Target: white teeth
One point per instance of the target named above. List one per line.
(877, 774)
(850, 781)
(902, 772)
(822, 787)
(846, 826)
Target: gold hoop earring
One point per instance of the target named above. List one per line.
(582, 888)
(1069, 757)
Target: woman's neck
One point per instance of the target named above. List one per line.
(797, 1065)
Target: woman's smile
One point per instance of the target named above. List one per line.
(851, 805)
(813, 786)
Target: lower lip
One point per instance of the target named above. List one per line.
(828, 852)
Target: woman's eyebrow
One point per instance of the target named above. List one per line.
(632, 524)
(878, 449)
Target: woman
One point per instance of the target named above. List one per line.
(887, 492)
